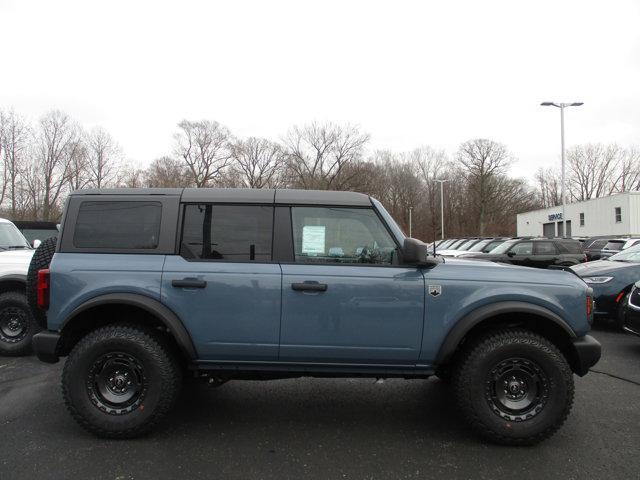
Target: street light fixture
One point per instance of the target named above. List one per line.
(562, 106)
(442, 206)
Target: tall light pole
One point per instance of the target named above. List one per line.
(562, 106)
(442, 207)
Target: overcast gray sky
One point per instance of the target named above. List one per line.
(409, 73)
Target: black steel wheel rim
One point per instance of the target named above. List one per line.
(14, 324)
(117, 383)
(517, 389)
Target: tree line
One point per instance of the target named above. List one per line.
(41, 162)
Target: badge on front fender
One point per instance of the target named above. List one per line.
(435, 290)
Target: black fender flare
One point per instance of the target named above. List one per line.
(170, 320)
(14, 277)
(466, 323)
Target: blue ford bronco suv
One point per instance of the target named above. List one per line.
(148, 285)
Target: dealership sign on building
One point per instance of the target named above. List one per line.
(555, 217)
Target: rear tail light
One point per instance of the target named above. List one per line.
(589, 305)
(43, 289)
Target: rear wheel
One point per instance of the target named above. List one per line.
(514, 387)
(120, 380)
(17, 325)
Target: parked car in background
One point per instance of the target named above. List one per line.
(11, 238)
(453, 245)
(616, 245)
(480, 245)
(484, 246)
(535, 252)
(461, 247)
(17, 326)
(611, 279)
(36, 232)
(631, 320)
(592, 248)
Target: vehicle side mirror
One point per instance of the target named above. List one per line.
(415, 252)
(36, 243)
(511, 254)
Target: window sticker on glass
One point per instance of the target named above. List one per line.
(313, 240)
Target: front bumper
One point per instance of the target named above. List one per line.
(587, 353)
(45, 346)
(632, 322)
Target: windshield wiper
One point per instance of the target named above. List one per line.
(16, 247)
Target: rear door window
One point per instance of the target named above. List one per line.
(126, 225)
(240, 233)
(545, 248)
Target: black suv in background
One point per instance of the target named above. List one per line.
(535, 252)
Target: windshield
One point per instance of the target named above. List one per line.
(467, 245)
(455, 245)
(504, 247)
(479, 246)
(391, 223)
(445, 244)
(11, 238)
(613, 245)
(629, 255)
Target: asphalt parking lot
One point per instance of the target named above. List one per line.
(317, 428)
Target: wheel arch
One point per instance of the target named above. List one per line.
(10, 283)
(131, 307)
(509, 314)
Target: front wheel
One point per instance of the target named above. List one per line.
(120, 380)
(514, 387)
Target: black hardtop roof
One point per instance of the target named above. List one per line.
(244, 195)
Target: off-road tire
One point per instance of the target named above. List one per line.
(475, 392)
(17, 325)
(161, 372)
(41, 259)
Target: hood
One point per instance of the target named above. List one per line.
(16, 257)
(462, 269)
(602, 267)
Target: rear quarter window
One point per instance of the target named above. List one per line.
(127, 225)
(569, 247)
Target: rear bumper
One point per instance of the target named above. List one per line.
(45, 345)
(587, 353)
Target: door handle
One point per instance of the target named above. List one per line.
(189, 283)
(309, 287)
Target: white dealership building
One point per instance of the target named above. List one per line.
(616, 215)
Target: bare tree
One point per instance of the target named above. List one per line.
(56, 145)
(483, 160)
(15, 138)
(549, 187)
(130, 176)
(204, 147)
(592, 170)
(103, 157)
(628, 175)
(258, 162)
(167, 172)
(79, 176)
(319, 155)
